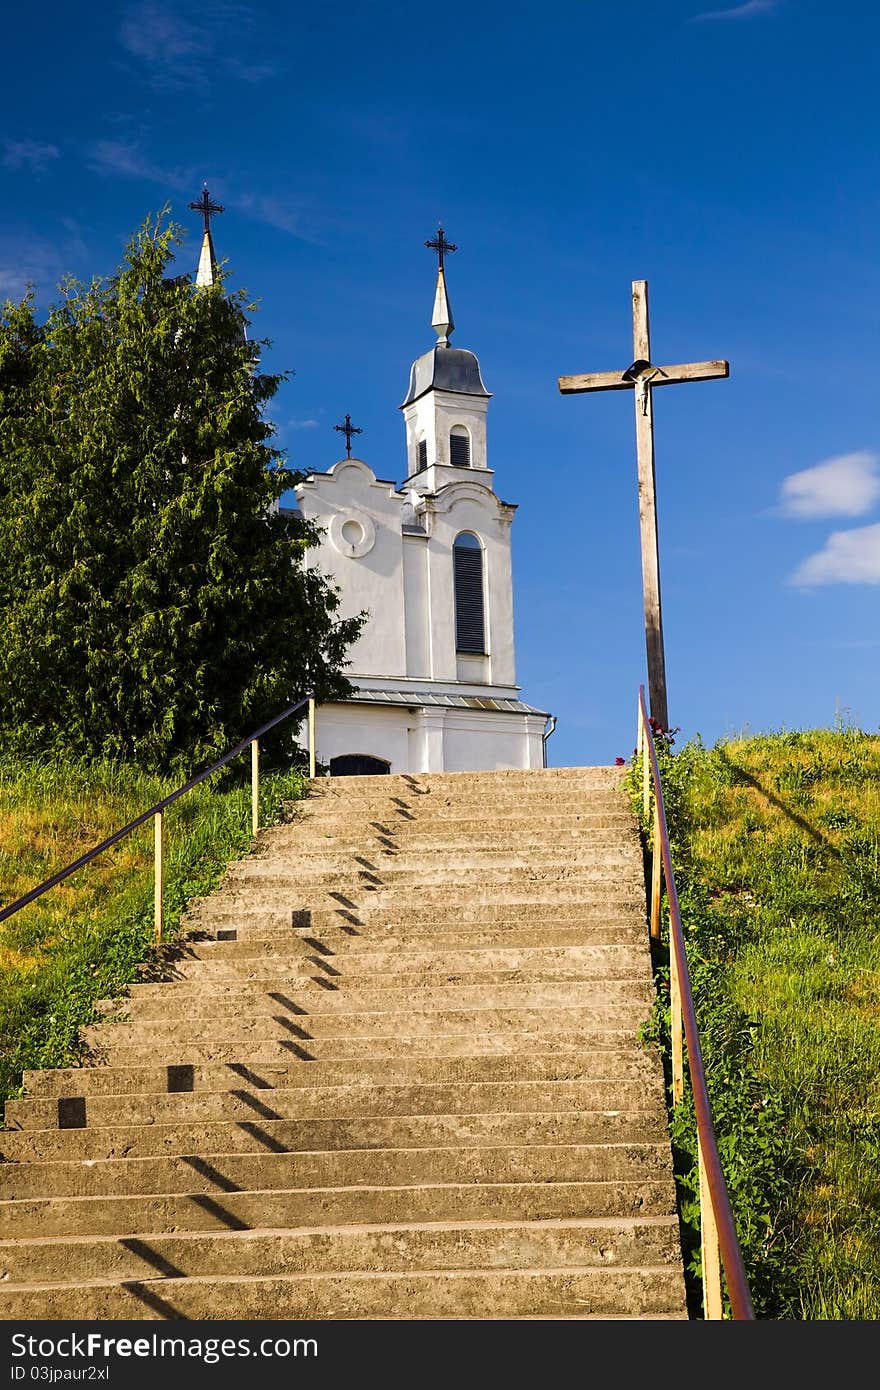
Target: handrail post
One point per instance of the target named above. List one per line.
(713, 1308)
(255, 785)
(158, 878)
(656, 861)
(311, 735)
(676, 1025)
(646, 775)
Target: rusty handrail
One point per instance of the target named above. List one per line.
(717, 1225)
(158, 810)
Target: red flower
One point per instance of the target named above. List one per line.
(620, 762)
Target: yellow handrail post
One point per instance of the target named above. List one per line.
(255, 785)
(646, 775)
(158, 878)
(311, 735)
(676, 1026)
(713, 1307)
(656, 860)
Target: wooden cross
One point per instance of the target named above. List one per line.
(207, 208)
(348, 429)
(642, 376)
(441, 246)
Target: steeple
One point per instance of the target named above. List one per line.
(442, 321)
(207, 271)
(445, 406)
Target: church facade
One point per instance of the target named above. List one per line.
(430, 560)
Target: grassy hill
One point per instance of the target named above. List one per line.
(90, 935)
(777, 855)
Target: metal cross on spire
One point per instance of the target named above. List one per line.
(207, 208)
(441, 246)
(348, 429)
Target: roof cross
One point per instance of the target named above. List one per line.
(348, 429)
(441, 246)
(207, 208)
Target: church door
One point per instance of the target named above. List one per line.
(357, 765)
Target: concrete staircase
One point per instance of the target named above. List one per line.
(393, 1072)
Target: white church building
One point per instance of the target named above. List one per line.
(429, 559)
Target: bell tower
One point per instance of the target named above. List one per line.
(447, 402)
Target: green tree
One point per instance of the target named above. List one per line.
(155, 604)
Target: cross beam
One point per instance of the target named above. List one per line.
(641, 377)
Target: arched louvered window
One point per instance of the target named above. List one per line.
(422, 455)
(459, 447)
(470, 624)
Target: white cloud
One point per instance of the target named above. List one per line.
(33, 154)
(302, 424)
(848, 557)
(847, 485)
(187, 45)
(122, 157)
(746, 11)
(275, 212)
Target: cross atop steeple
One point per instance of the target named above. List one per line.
(441, 320)
(441, 246)
(207, 272)
(207, 208)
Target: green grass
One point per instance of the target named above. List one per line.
(776, 844)
(90, 936)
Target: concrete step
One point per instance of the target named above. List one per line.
(599, 773)
(470, 833)
(251, 975)
(310, 852)
(289, 1208)
(329, 941)
(559, 1243)
(421, 957)
(656, 1290)
(248, 1102)
(604, 1061)
(232, 1008)
(280, 911)
(216, 1174)
(351, 1047)
(345, 951)
(257, 1134)
(347, 1020)
(306, 876)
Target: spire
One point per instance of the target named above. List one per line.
(207, 271)
(207, 262)
(442, 320)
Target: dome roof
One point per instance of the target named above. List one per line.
(445, 369)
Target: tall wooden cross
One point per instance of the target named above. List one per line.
(642, 376)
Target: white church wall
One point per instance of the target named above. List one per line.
(349, 502)
(430, 739)
(416, 609)
(491, 742)
(432, 417)
(469, 507)
(378, 732)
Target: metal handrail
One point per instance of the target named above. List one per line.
(717, 1227)
(157, 812)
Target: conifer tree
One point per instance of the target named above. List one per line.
(155, 605)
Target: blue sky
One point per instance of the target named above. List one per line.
(724, 152)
